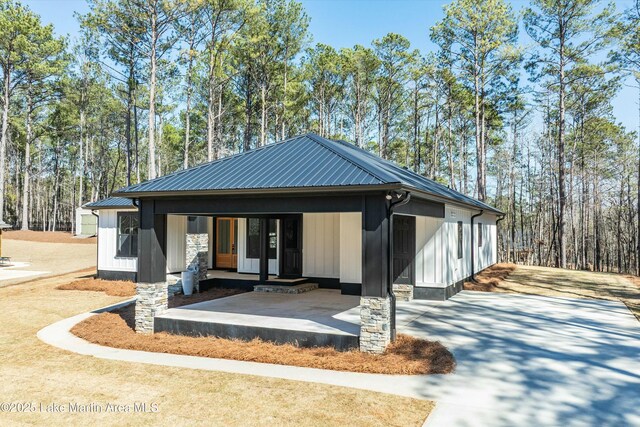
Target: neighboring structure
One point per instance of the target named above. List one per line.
(86, 222)
(3, 225)
(305, 207)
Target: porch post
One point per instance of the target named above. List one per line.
(151, 288)
(197, 248)
(375, 303)
(264, 250)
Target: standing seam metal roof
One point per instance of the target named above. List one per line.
(110, 203)
(304, 161)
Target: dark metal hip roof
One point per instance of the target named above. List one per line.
(303, 162)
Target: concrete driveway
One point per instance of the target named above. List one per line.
(530, 360)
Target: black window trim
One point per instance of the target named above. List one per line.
(118, 252)
(480, 235)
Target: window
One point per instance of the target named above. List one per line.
(479, 235)
(459, 239)
(253, 238)
(127, 235)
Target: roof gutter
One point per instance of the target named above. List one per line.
(403, 199)
(473, 246)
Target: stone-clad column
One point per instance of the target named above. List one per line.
(375, 331)
(375, 302)
(152, 300)
(197, 254)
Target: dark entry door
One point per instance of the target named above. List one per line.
(404, 249)
(291, 247)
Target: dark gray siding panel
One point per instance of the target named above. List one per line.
(129, 276)
(421, 207)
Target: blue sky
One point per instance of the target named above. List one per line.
(344, 23)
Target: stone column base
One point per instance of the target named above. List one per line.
(152, 300)
(197, 256)
(403, 292)
(375, 324)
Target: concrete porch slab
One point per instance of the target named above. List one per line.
(316, 318)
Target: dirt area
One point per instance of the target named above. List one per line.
(115, 288)
(47, 237)
(489, 279)
(556, 282)
(44, 259)
(32, 371)
(407, 356)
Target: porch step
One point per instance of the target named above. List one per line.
(286, 289)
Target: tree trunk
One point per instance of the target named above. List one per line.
(284, 97)
(562, 253)
(638, 199)
(27, 164)
(263, 116)
(3, 137)
(152, 94)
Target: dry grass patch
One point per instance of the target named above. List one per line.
(557, 282)
(114, 288)
(33, 371)
(406, 356)
(46, 237)
(489, 279)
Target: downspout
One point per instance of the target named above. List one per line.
(498, 234)
(97, 239)
(404, 199)
(473, 245)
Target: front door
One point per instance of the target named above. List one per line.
(404, 248)
(226, 238)
(291, 246)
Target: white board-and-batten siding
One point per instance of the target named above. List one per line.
(487, 253)
(321, 245)
(437, 263)
(176, 243)
(108, 244)
(332, 246)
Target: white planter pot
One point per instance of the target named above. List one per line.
(187, 282)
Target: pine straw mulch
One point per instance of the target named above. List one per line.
(406, 356)
(489, 279)
(116, 288)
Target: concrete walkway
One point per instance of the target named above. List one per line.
(522, 360)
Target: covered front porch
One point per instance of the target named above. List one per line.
(322, 240)
(322, 317)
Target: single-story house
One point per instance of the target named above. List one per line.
(303, 210)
